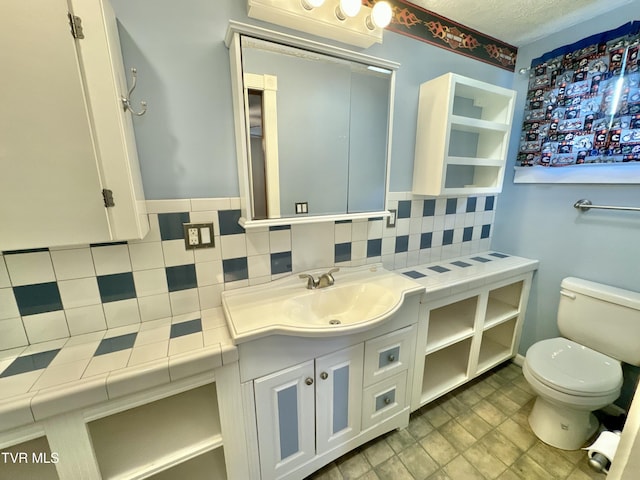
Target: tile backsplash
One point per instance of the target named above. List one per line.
(47, 294)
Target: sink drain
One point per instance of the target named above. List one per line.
(334, 322)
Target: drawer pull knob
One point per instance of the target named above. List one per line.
(391, 357)
(387, 400)
(324, 375)
(309, 381)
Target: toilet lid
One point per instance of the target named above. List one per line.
(569, 367)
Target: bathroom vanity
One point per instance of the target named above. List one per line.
(275, 397)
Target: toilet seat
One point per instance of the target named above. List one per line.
(574, 369)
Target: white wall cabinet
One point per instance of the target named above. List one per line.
(462, 136)
(65, 134)
(464, 335)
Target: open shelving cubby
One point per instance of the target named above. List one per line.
(496, 345)
(145, 440)
(36, 449)
(451, 323)
(445, 369)
(462, 136)
(209, 465)
(503, 304)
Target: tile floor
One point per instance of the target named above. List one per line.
(477, 432)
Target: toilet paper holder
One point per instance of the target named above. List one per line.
(602, 451)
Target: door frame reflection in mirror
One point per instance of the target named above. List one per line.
(233, 41)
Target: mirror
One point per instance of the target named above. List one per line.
(316, 130)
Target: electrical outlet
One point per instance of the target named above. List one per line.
(302, 207)
(198, 235)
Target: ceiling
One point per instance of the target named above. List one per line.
(523, 21)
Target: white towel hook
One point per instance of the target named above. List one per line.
(126, 102)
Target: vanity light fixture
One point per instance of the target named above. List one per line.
(347, 21)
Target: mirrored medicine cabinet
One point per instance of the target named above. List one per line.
(313, 128)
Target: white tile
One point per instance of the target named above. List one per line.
(176, 254)
(358, 250)
(199, 204)
(168, 206)
(142, 377)
(12, 334)
(46, 326)
(8, 305)
(343, 232)
(414, 242)
(218, 335)
(111, 259)
(4, 275)
(73, 263)
(257, 243)
(107, 363)
(388, 246)
(150, 282)
(186, 343)
(449, 222)
(417, 207)
(30, 268)
(415, 225)
(192, 363)
(281, 240)
(154, 307)
(210, 273)
(122, 312)
(8, 356)
(233, 246)
(235, 203)
(400, 260)
(213, 318)
(77, 395)
(86, 319)
(312, 246)
(18, 384)
(79, 292)
(75, 353)
(374, 228)
(210, 296)
(45, 346)
(145, 256)
(258, 265)
(149, 352)
(441, 206)
(60, 374)
(184, 301)
(438, 223)
(403, 226)
(153, 335)
(16, 412)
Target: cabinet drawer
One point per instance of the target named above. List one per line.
(388, 355)
(384, 399)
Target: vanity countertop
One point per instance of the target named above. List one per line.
(51, 378)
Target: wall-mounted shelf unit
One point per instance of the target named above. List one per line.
(462, 136)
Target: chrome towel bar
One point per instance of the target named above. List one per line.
(584, 205)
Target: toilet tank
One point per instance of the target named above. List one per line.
(601, 317)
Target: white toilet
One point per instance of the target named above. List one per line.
(580, 373)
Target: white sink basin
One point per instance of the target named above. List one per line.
(360, 299)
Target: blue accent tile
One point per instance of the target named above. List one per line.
(414, 274)
(235, 269)
(447, 237)
(338, 222)
(486, 231)
(498, 255)
(402, 243)
(461, 264)
(30, 363)
(429, 208)
(467, 234)
(116, 344)
(275, 228)
(38, 298)
(185, 328)
(488, 203)
(119, 286)
(452, 205)
(229, 222)
(374, 247)
(471, 204)
(108, 244)
(404, 209)
(342, 252)
(31, 250)
(181, 277)
(281, 263)
(171, 225)
(425, 240)
(439, 269)
(481, 259)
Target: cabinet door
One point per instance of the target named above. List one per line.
(285, 418)
(50, 187)
(338, 397)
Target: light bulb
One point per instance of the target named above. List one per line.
(348, 8)
(381, 14)
(311, 4)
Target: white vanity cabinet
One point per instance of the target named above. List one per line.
(352, 389)
(462, 136)
(462, 336)
(70, 172)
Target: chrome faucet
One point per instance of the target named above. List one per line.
(325, 280)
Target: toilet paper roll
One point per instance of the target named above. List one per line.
(606, 444)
